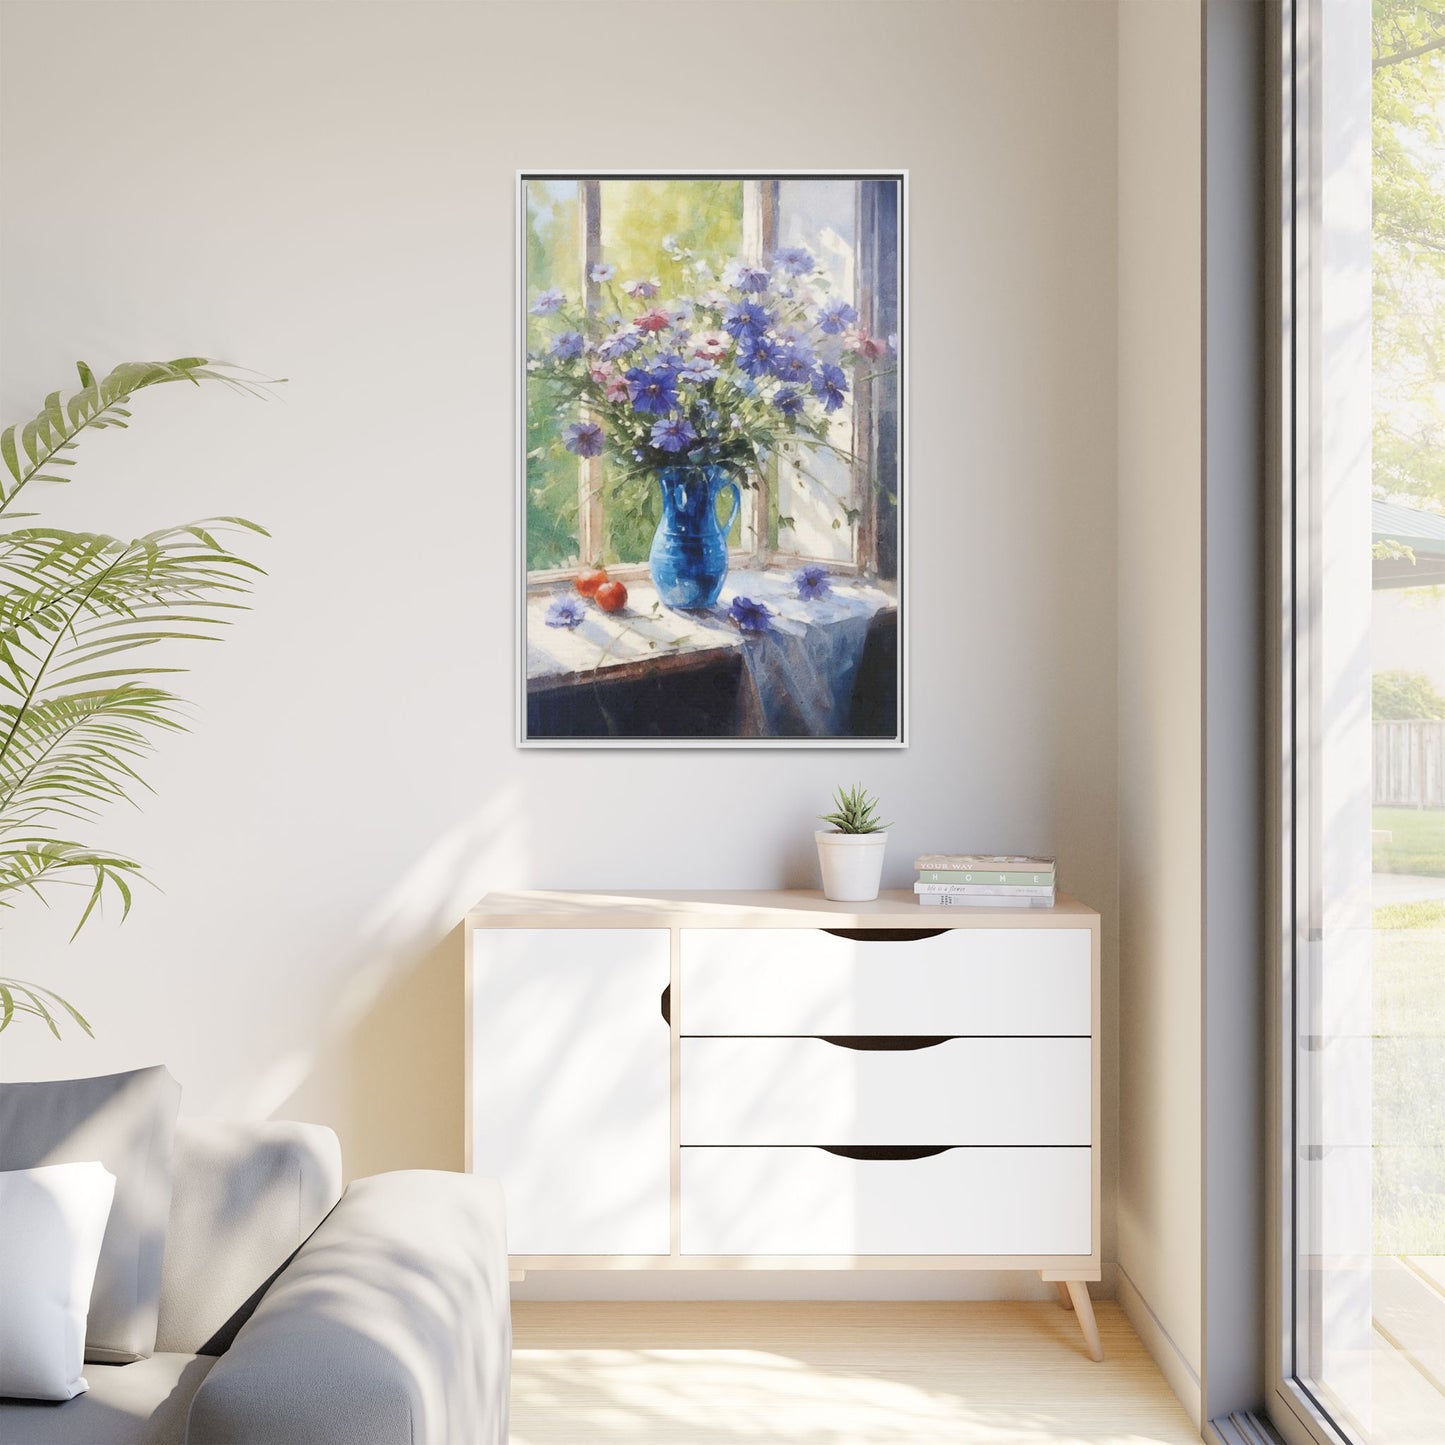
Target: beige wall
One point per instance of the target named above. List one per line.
(1160, 683)
(325, 192)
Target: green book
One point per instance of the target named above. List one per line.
(1006, 879)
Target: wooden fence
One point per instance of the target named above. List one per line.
(1410, 764)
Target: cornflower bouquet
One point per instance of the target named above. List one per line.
(764, 356)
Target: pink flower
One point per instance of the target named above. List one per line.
(868, 347)
(617, 389)
(712, 346)
(654, 320)
(599, 374)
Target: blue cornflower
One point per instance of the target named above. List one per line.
(788, 400)
(602, 272)
(620, 343)
(830, 386)
(743, 276)
(793, 260)
(548, 302)
(673, 435)
(584, 439)
(835, 316)
(654, 391)
(697, 371)
(758, 355)
(670, 361)
(744, 317)
(750, 616)
(643, 290)
(568, 345)
(812, 582)
(565, 612)
(794, 363)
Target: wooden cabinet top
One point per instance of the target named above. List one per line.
(800, 908)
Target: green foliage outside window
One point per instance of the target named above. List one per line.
(554, 258)
(1408, 146)
(1400, 696)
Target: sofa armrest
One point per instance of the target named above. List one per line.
(391, 1324)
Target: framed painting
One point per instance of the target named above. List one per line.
(711, 439)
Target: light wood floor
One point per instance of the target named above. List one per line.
(832, 1374)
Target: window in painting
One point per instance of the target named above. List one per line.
(610, 243)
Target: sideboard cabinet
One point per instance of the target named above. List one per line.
(697, 1081)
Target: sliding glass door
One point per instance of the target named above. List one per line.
(1360, 1207)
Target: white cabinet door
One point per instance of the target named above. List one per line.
(791, 981)
(570, 1091)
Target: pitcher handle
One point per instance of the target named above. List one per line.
(723, 526)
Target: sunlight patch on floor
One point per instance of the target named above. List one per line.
(832, 1374)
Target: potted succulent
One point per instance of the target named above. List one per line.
(850, 851)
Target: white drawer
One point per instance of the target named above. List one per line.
(810, 1202)
(960, 1091)
(962, 981)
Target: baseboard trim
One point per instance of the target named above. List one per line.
(1173, 1364)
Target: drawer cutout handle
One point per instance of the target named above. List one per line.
(667, 1005)
(886, 935)
(886, 1043)
(885, 1151)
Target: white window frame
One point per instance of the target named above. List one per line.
(1315, 901)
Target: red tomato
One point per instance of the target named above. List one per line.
(612, 597)
(589, 581)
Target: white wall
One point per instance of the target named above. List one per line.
(325, 192)
(1160, 684)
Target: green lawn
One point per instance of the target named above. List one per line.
(1417, 841)
(1408, 1126)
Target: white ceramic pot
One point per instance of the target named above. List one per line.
(852, 864)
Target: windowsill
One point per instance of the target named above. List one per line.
(647, 638)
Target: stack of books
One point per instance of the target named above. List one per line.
(984, 880)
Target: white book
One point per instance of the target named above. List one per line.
(974, 900)
(990, 890)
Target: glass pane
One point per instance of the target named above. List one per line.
(815, 489)
(680, 234)
(1370, 1002)
(554, 262)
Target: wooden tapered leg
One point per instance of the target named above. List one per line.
(1063, 1290)
(1084, 1309)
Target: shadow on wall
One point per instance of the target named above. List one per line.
(391, 1081)
(385, 1068)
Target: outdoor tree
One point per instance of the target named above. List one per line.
(1409, 251)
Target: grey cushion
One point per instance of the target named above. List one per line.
(245, 1197)
(140, 1404)
(127, 1121)
(392, 1324)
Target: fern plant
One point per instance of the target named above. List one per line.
(854, 812)
(82, 696)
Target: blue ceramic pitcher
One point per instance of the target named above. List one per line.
(689, 558)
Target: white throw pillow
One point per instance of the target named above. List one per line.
(52, 1220)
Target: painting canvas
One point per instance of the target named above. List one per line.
(711, 438)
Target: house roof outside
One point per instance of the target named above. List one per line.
(1422, 532)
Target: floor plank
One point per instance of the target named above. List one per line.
(832, 1374)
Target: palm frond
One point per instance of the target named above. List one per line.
(29, 451)
(19, 997)
(72, 752)
(81, 614)
(71, 600)
(28, 864)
